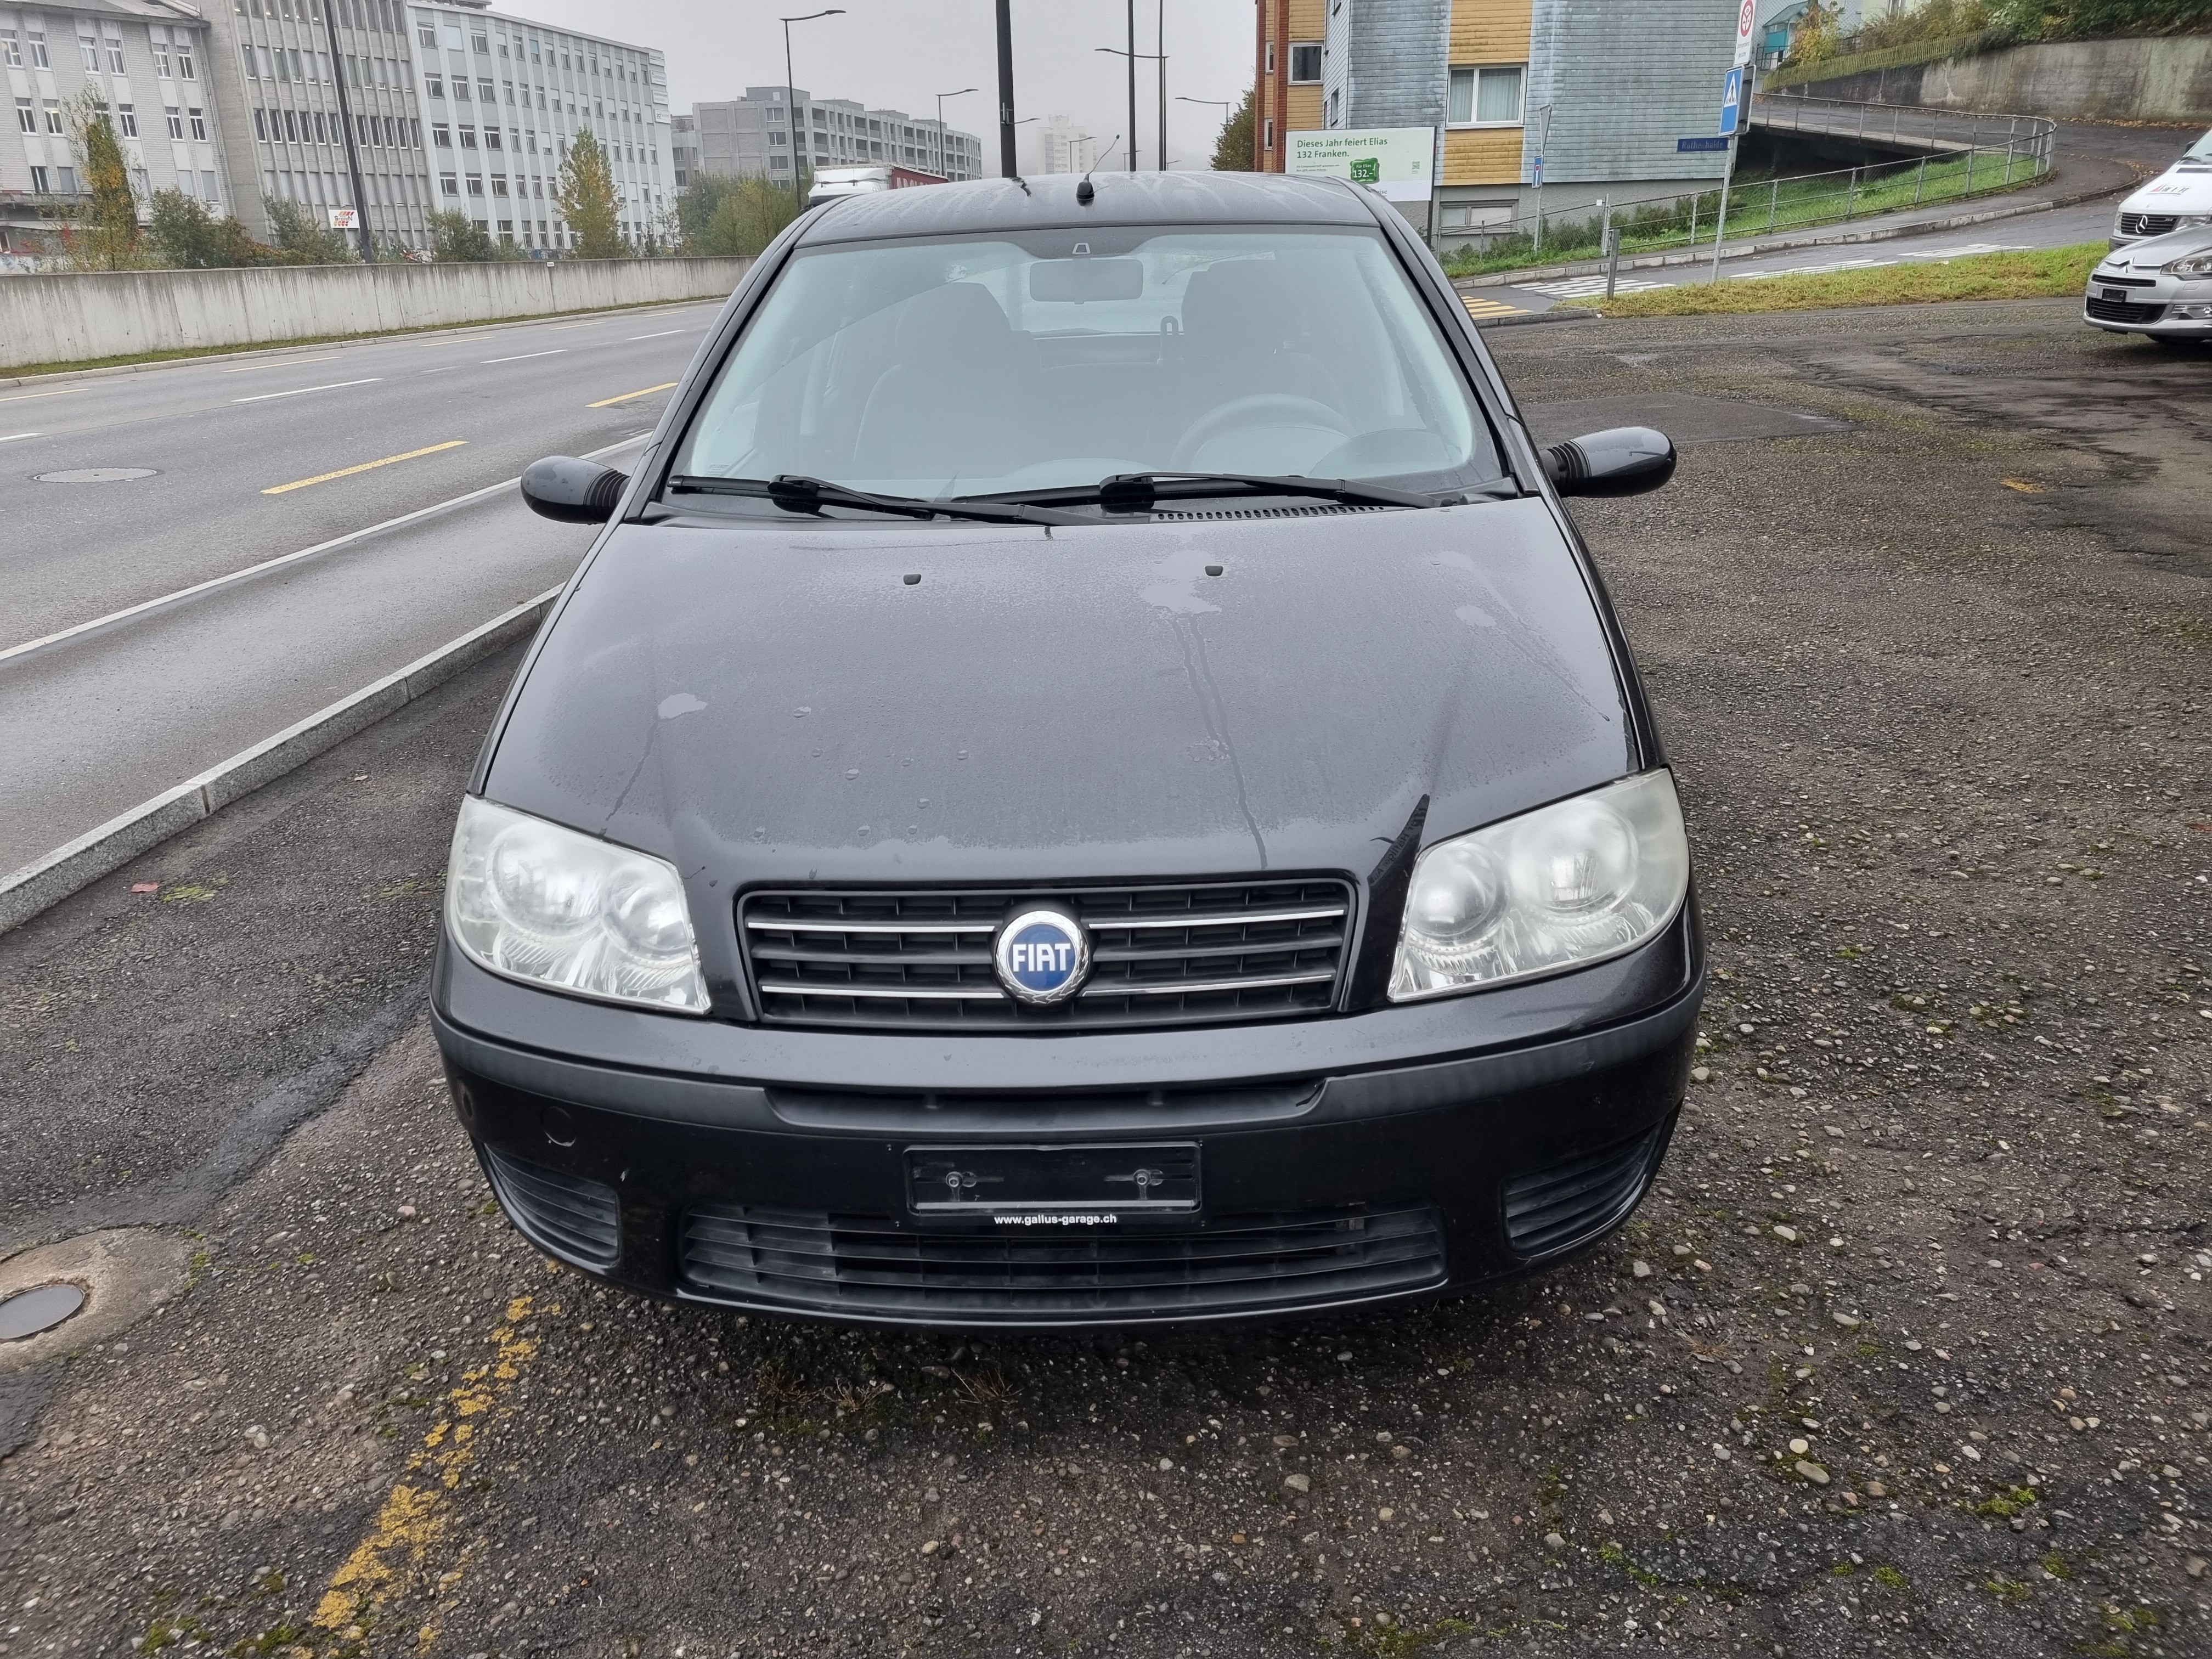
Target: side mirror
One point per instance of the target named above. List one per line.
(575, 492)
(1623, 460)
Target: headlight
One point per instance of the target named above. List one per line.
(2198, 263)
(535, 902)
(1565, 885)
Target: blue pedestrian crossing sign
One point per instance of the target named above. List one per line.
(1731, 102)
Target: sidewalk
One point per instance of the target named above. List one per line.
(2093, 161)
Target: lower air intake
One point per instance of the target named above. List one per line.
(576, 1219)
(867, 1265)
(1570, 1203)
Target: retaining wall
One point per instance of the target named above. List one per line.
(72, 316)
(2165, 79)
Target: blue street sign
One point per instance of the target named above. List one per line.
(1731, 101)
(1538, 178)
(1692, 146)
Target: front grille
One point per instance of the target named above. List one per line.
(574, 1218)
(1572, 1202)
(1183, 955)
(867, 1265)
(2116, 311)
(2149, 224)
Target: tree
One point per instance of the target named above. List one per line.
(299, 235)
(185, 236)
(456, 237)
(106, 234)
(587, 200)
(696, 204)
(748, 214)
(1234, 151)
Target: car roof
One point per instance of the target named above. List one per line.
(984, 205)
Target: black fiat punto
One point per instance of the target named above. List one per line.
(1089, 779)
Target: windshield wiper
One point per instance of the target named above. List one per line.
(795, 493)
(1136, 492)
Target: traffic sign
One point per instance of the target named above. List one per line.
(1537, 173)
(1731, 101)
(1747, 30)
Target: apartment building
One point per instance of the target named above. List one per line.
(503, 98)
(1606, 90)
(1064, 147)
(757, 134)
(684, 147)
(147, 61)
(275, 65)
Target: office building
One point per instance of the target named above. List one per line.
(1606, 90)
(1063, 149)
(501, 100)
(149, 61)
(684, 147)
(755, 134)
(275, 65)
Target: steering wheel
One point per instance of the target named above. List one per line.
(1261, 409)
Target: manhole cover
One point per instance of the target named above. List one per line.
(29, 1312)
(96, 475)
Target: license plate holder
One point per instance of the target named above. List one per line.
(2119, 293)
(1105, 1178)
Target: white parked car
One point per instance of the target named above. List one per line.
(2160, 288)
(2180, 198)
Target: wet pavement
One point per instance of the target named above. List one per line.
(1907, 1353)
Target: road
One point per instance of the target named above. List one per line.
(1932, 669)
(125, 490)
(2091, 157)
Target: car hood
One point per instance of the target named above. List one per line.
(2184, 188)
(2144, 258)
(773, 701)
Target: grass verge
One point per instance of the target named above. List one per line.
(2040, 273)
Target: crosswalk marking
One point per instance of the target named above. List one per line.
(1478, 307)
(1582, 288)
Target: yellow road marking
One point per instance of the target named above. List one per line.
(285, 362)
(417, 1515)
(605, 403)
(366, 466)
(1493, 308)
(25, 396)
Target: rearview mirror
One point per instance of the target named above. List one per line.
(1623, 460)
(575, 492)
(1086, 279)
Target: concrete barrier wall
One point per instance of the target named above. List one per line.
(2166, 79)
(73, 316)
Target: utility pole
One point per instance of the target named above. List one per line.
(1160, 41)
(1006, 169)
(1736, 143)
(944, 172)
(1132, 85)
(345, 65)
(1543, 142)
(790, 103)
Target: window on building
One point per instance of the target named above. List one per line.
(499, 186)
(468, 137)
(40, 184)
(1476, 215)
(162, 59)
(115, 63)
(441, 135)
(486, 93)
(434, 85)
(51, 110)
(491, 138)
(1305, 61)
(185, 70)
(425, 35)
(261, 124)
(480, 42)
(1268, 134)
(27, 115)
(449, 184)
(176, 117)
(126, 119)
(36, 40)
(88, 50)
(460, 90)
(1271, 57)
(476, 185)
(292, 126)
(1484, 96)
(1335, 110)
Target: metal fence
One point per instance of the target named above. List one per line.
(1963, 155)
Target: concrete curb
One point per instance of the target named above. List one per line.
(107, 849)
(1556, 314)
(1780, 245)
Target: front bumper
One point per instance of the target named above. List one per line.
(1342, 1161)
(2160, 305)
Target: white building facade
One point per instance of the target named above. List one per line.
(147, 63)
(503, 99)
(740, 137)
(1063, 148)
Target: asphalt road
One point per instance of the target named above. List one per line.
(1907, 1354)
(239, 461)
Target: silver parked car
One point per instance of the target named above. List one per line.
(2160, 288)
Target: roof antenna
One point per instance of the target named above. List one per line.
(1084, 192)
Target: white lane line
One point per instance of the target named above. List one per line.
(336, 542)
(663, 335)
(12, 436)
(526, 355)
(300, 391)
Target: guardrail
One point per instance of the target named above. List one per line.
(1964, 156)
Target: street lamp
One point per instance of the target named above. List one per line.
(1225, 105)
(1134, 57)
(791, 101)
(941, 97)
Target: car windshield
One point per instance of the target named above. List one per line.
(2199, 151)
(1057, 359)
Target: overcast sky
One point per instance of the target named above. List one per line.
(897, 54)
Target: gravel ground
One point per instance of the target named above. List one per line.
(1907, 1353)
